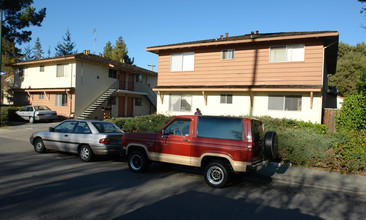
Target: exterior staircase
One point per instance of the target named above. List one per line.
(96, 104)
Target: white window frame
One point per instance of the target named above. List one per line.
(228, 54)
(139, 78)
(177, 105)
(225, 100)
(180, 62)
(61, 99)
(284, 99)
(65, 71)
(292, 53)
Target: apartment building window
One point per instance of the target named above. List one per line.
(41, 69)
(112, 73)
(288, 53)
(62, 70)
(20, 72)
(226, 98)
(139, 78)
(40, 96)
(180, 103)
(227, 54)
(61, 100)
(182, 62)
(284, 102)
(138, 102)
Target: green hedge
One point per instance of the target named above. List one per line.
(146, 123)
(300, 143)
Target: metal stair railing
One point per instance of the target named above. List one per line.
(99, 101)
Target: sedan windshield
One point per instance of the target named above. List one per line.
(38, 108)
(106, 127)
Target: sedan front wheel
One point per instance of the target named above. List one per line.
(39, 146)
(85, 153)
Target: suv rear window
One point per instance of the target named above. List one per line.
(220, 128)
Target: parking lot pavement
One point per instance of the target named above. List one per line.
(281, 173)
(23, 130)
(316, 178)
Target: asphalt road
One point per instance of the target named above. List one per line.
(61, 186)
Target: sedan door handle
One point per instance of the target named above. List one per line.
(184, 140)
(66, 135)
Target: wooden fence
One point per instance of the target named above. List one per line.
(329, 118)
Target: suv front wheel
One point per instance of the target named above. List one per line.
(216, 174)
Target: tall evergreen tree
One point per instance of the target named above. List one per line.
(28, 53)
(67, 46)
(38, 52)
(108, 50)
(118, 52)
(351, 60)
(19, 15)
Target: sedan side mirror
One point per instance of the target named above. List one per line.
(51, 129)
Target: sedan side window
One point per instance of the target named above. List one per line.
(65, 127)
(82, 128)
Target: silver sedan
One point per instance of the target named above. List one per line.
(34, 113)
(86, 138)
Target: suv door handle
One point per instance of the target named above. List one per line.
(184, 140)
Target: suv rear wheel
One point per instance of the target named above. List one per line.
(216, 174)
(137, 161)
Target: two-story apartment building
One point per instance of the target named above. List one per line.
(276, 74)
(81, 85)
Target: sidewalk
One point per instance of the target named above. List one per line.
(284, 173)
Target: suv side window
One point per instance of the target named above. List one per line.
(220, 128)
(178, 127)
(257, 130)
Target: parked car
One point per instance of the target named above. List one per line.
(219, 145)
(86, 138)
(34, 113)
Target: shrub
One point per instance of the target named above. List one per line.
(8, 114)
(351, 151)
(146, 123)
(352, 115)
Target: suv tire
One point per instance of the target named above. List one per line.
(137, 161)
(271, 145)
(216, 174)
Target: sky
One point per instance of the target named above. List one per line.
(147, 23)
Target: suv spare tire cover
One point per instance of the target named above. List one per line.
(271, 145)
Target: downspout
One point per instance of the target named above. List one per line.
(324, 92)
(70, 108)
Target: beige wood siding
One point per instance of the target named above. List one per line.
(251, 66)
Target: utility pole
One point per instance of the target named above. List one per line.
(152, 67)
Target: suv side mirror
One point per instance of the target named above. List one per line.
(51, 129)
